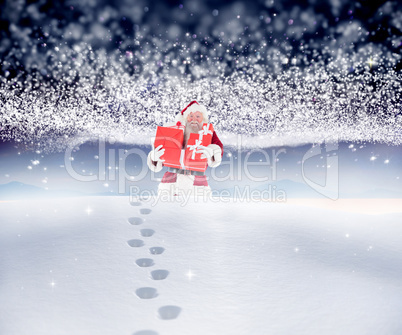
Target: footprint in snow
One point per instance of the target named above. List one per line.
(156, 250)
(146, 332)
(145, 211)
(147, 232)
(135, 243)
(159, 274)
(144, 262)
(135, 221)
(169, 312)
(146, 293)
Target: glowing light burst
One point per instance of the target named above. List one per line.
(88, 210)
(52, 284)
(190, 274)
(370, 62)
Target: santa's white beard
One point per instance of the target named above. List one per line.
(190, 130)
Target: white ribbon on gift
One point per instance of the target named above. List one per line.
(205, 131)
(182, 159)
(194, 147)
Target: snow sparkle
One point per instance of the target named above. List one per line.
(190, 274)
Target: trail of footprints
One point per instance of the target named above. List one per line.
(164, 312)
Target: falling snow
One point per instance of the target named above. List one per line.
(265, 74)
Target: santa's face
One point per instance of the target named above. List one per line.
(194, 121)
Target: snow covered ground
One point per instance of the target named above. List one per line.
(101, 265)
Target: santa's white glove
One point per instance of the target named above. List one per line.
(213, 153)
(154, 161)
(156, 154)
(205, 151)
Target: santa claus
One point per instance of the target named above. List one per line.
(175, 181)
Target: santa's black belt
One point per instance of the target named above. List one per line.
(181, 171)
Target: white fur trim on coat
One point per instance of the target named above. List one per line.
(193, 108)
(152, 166)
(217, 155)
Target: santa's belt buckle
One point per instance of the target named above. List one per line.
(187, 172)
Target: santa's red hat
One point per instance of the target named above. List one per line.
(192, 107)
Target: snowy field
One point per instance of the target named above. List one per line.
(83, 85)
(101, 265)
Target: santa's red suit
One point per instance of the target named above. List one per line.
(175, 181)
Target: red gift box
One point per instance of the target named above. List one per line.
(192, 159)
(175, 156)
(206, 132)
(172, 140)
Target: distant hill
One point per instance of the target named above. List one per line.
(17, 190)
(379, 193)
(294, 189)
(289, 188)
